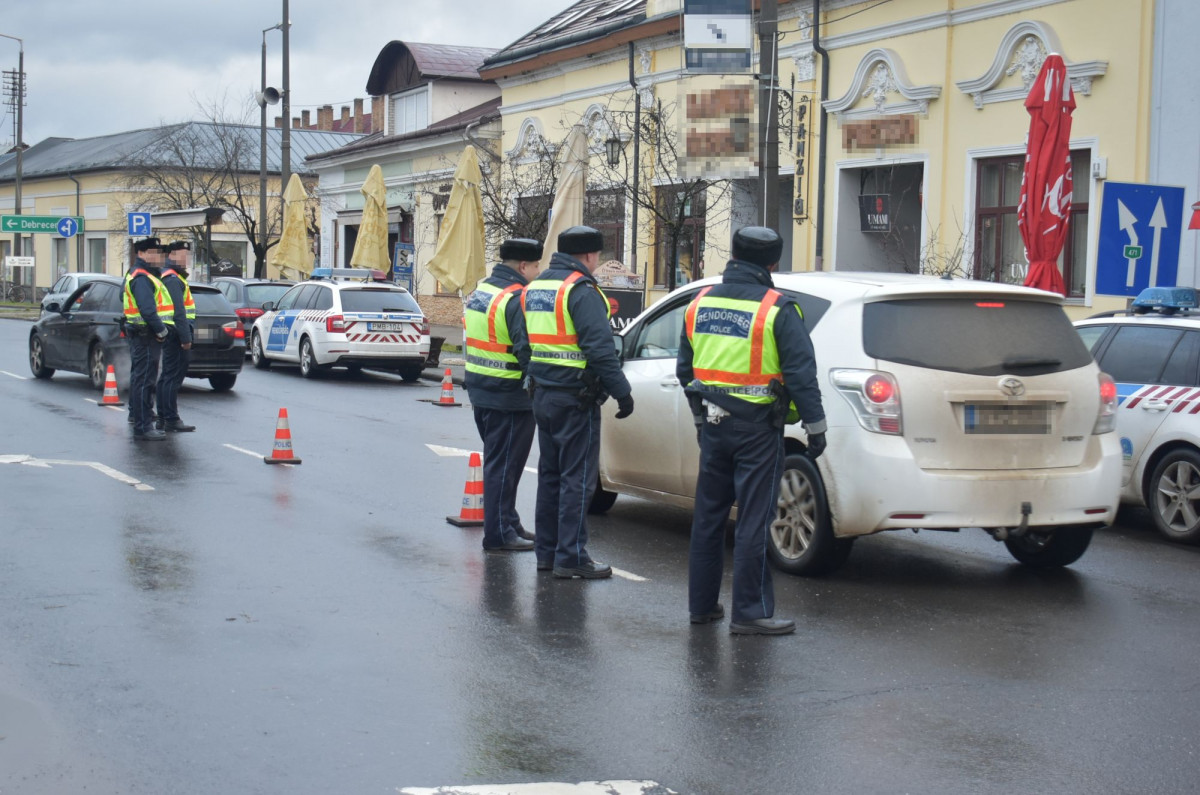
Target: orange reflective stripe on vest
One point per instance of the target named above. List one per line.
(491, 344)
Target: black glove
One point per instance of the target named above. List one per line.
(816, 445)
(624, 407)
(161, 336)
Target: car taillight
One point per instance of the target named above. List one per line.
(249, 314)
(874, 396)
(423, 326)
(336, 324)
(235, 329)
(1106, 418)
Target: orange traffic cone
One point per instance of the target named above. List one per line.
(111, 398)
(282, 454)
(471, 514)
(447, 398)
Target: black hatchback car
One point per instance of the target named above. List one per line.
(83, 335)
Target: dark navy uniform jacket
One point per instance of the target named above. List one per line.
(505, 394)
(798, 363)
(183, 327)
(143, 295)
(589, 311)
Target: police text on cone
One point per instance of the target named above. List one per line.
(282, 454)
(471, 514)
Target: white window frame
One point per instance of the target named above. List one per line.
(415, 94)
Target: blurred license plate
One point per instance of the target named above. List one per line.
(386, 326)
(1029, 418)
(204, 334)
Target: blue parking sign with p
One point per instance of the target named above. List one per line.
(139, 224)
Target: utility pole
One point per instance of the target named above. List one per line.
(285, 145)
(768, 112)
(19, 101)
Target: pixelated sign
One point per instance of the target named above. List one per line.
(717, 36)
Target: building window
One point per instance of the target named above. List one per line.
(97, 255)
(59, 255)
(605, 211)
(686, 251)
(410, 112)
(999, 250)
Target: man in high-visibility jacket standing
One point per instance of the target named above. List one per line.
(148, 312)
(497, 360)
(748, 367)
(178, 344)
(574, 368)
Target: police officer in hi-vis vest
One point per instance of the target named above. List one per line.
(497, 358)
(748, 367)
(574, 368)
(148, 312)
(178, 344)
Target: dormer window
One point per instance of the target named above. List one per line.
(410, 111)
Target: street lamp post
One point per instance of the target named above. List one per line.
(285, 141)
(20, 119)
(266, 96)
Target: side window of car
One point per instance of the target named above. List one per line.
(94, 298)
(306, 294)
(1091, 336)
(658, 338)
(1181, 367)
(1138, 354)
(322, 299)
(289, 298)
(77, 304)
(60, 285)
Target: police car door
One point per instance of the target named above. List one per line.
(281, 342)
(1155, 368)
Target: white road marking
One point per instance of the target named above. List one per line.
(628, 575)
(103, 469)
(101, 405)
(14, 375)
(250, 453)
(546, 788)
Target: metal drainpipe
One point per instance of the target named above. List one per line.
(79, 234)
(478, 144)
(819, 258)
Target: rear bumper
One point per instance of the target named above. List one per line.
(384, 356)
(885, 490)
(207, 361)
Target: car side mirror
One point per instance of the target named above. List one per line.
(619, 343)
(269, 306)
(54, 307)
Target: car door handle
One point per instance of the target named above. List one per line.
(669, 382)
(1155, 405)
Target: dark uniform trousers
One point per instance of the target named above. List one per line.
(170, 377)
(144, 352)
(743, 461)
(507, 437)
(569, 458)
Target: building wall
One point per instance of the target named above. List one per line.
(451, 97)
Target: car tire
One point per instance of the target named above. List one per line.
(257, 355)
(801, 539)
(308, 361)
(410, 373)
(37, 358)
(97, 370)
(222, 382)
(602, 499)
(1171, 496)
(1049, 547)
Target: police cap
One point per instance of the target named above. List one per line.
(580, 240)
(758, 245)
(520, 249)
(147, 244)
(179, 245)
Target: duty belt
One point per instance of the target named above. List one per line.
(493, 363)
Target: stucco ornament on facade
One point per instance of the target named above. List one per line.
(531, 143)
(879, 85)
(1028, 61)
(879, 76)
(805, 67)
(804, 25)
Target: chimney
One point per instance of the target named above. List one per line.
(278, 122)
(304, 122)
(325, 117)
(358, 115)
(296, 123)
(378, 115)
(345, 122)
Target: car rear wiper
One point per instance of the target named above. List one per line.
(1029, 361)
(394, 309)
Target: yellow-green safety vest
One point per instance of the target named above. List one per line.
(552, 337)
(162, 298)
(733, 346)
(189, 305)
(489, 342)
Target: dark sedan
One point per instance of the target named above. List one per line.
(83, 335)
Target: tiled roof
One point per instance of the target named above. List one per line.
(445, 60)
(581, 21)
(120, 150)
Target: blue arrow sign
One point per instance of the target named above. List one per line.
(1140, 228)
(67, 227)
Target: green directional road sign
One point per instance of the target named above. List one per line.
(37, 224)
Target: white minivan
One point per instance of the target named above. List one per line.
(950, 404)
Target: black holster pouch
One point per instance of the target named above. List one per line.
(779, 409)
(592, 392)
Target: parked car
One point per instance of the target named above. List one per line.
(1153, 354)
(247, 296)
(83, 335)
(66, 284)
(950, 404)
(334, 320)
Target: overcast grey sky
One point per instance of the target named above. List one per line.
(95, 67)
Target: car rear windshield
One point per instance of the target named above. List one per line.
(211, 303)
(259, 294)
(374, 299)
(979, 336)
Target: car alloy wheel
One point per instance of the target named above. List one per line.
(801, 539)
(37, 358)
(308, 363)
(97, 370)
(257, 356)
(1175, 496)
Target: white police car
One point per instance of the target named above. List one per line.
(342, 317)
(1152, 352)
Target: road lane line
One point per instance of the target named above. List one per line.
(611, 787)
(101, 405)
(627, 575)
(103, 469)
(14, 375)
(250, 453)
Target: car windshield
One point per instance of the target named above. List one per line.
(375, 299)
(975, 335)
(259, 294)
(211, 303)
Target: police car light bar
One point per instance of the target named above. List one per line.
(348, 274)
(1167, 300)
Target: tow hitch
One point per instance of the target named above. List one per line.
(1004, 533)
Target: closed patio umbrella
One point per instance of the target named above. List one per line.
(1044, 209)
(567, 210)
(458, 263)
(294, 251)
(371, 245)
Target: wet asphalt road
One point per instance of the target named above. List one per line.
(238, 627)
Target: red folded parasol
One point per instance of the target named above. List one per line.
(1045, 204)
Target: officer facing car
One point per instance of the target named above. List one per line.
(148, 313)
(573, 368)
(748, 364)
(497, 349)
(178, 344)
